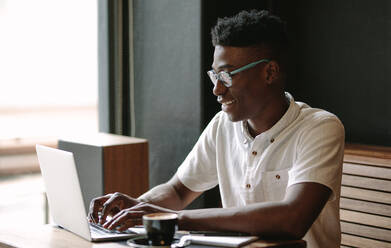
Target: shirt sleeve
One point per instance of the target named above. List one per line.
(319, 155)
(198, 171)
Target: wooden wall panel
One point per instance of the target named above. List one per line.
(366, 231)
(355, 241)
(366, 197)
(126, 169)
(366, 206)
(364, 194)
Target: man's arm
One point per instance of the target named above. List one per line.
(290, 218)
(127, 211)
(173, 195)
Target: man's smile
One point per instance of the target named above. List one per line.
(225, 101)
(225, 104)
(228, 102)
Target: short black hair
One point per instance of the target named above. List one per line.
(251, 28)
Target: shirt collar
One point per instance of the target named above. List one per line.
(272, 134)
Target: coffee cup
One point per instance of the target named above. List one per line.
(160, 228)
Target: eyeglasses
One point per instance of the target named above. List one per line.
(226, 77)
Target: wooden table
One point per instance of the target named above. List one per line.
(47, 236)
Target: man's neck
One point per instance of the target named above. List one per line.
(272, 114)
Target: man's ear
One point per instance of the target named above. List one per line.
(272, 71)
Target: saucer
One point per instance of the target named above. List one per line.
(142, 242)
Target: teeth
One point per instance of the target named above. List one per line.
(230, 102)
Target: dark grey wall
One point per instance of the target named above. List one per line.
(342, 57)
(167, 71)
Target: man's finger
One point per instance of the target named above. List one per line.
(117, 215)
(124, 218)
(108, 206)
(96, 207)
(91, 213)
(130, 223)
(117, 220)
(90, 218)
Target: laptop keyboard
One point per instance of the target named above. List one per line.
(98, 229)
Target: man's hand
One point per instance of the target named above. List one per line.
(133, 216)
(110, 204)
(127, 211)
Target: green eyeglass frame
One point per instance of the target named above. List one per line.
(226, 77)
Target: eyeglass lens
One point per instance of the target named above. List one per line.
(222, 76)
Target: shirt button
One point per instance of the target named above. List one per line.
(278, 176)
(248, 185)
(254, 153)
(272, 140)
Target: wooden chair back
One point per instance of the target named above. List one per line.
(366, 197)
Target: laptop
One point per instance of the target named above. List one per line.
(65, 198)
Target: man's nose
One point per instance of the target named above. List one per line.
(219, 88)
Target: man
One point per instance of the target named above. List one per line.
(278, 162)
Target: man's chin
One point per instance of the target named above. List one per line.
(234, 118)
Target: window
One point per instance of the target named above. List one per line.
(48, 87)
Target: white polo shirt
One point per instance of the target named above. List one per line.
(305, 145)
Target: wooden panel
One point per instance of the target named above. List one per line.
(355, 241)
(368, 151)
(368, 195)
(366, 231)
(367, 183)
(366, 219)
(368, 171)
(366, 207)
(371, 155)
(367, 160)
(126, 169)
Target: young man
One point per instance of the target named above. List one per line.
(278, 162)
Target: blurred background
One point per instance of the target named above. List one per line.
(48, 88)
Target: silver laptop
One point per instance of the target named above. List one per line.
(65, 197)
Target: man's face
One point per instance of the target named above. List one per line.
(249, 94)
